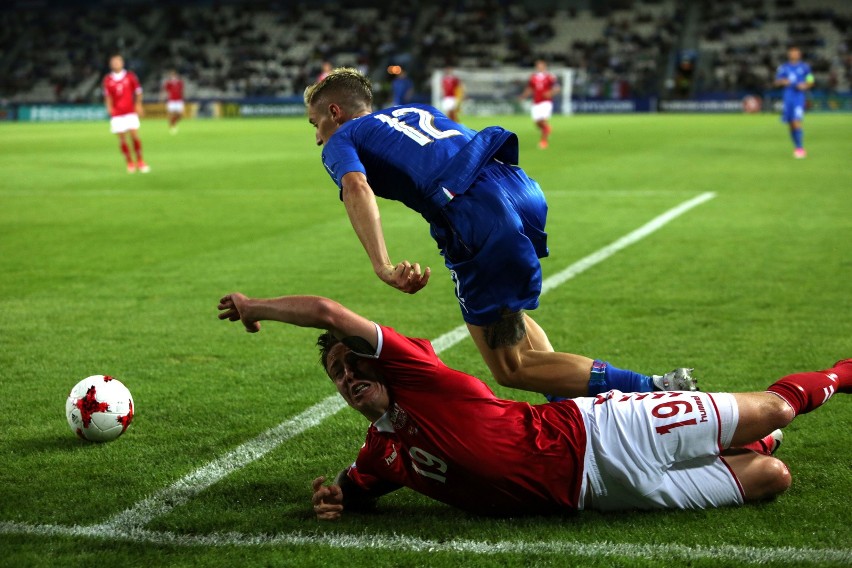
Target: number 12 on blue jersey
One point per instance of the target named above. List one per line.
(427, 133)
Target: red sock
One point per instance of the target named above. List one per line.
(545, 131)
(126, 151)
(806, 391)
(137, 147)
(843, 370)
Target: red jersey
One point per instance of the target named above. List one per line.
(450, 83)
(122, 88)
(174, 89)
(447, 436)
(541, 83)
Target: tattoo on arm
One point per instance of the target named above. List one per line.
(508, 331)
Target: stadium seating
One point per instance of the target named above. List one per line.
(742, 42)
(239, 49)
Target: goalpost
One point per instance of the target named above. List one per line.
(496, 90)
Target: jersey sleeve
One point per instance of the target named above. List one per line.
(137, 86)
(364, 472)
(406, 359)
(780, 72)
(340, 157)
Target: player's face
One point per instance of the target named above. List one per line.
(324, 122)
(794, 55)
(116, 63)
(357, 382)
(540, 66)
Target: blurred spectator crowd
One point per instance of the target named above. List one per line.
(743, 42)
(233, 49)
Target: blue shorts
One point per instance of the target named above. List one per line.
(793, 111)
(491, 238)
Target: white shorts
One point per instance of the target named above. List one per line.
(448, 104)
(658, 450)
(174, 107)
(542, 111)
(124, 122)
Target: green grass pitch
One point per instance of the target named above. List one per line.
(103, 272)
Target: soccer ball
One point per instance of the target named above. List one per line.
(99, 408)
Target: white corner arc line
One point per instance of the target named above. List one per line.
(178, 493)
(668, 552)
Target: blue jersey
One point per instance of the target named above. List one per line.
(416, 155)
(401, 88)
(796, 73)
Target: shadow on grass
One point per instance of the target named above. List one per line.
(66, 443)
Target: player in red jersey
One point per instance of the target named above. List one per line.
(173, 93)
(443, 433)
(452, 88)
(123, 99)
(543, 86)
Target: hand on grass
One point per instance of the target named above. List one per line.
(327, 500)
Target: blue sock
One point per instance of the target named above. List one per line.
(604, 377)
(797, 135)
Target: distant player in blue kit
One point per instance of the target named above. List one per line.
(486, 215)
(796, 78)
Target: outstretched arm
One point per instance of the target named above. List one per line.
(363, 211)
(303, 311)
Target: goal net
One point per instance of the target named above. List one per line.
(496, 90)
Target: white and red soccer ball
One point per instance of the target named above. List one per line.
(99, 408)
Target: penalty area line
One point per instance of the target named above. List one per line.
(740, 554)
(163, 501)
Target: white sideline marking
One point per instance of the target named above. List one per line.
(739, 554)
(127, 524)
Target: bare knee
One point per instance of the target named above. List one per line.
(778, 412)
(768, 477)
(507, 370)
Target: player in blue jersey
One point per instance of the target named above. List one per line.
(796, 78)
(486, 215)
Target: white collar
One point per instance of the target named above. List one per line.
(118, 76)
(384, 423)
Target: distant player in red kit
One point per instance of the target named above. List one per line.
(543, 87)
(173, 93)
(123, 99)
(451, 86)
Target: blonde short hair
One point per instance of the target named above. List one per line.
(345, 86)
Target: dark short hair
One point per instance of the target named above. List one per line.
(326, 341)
